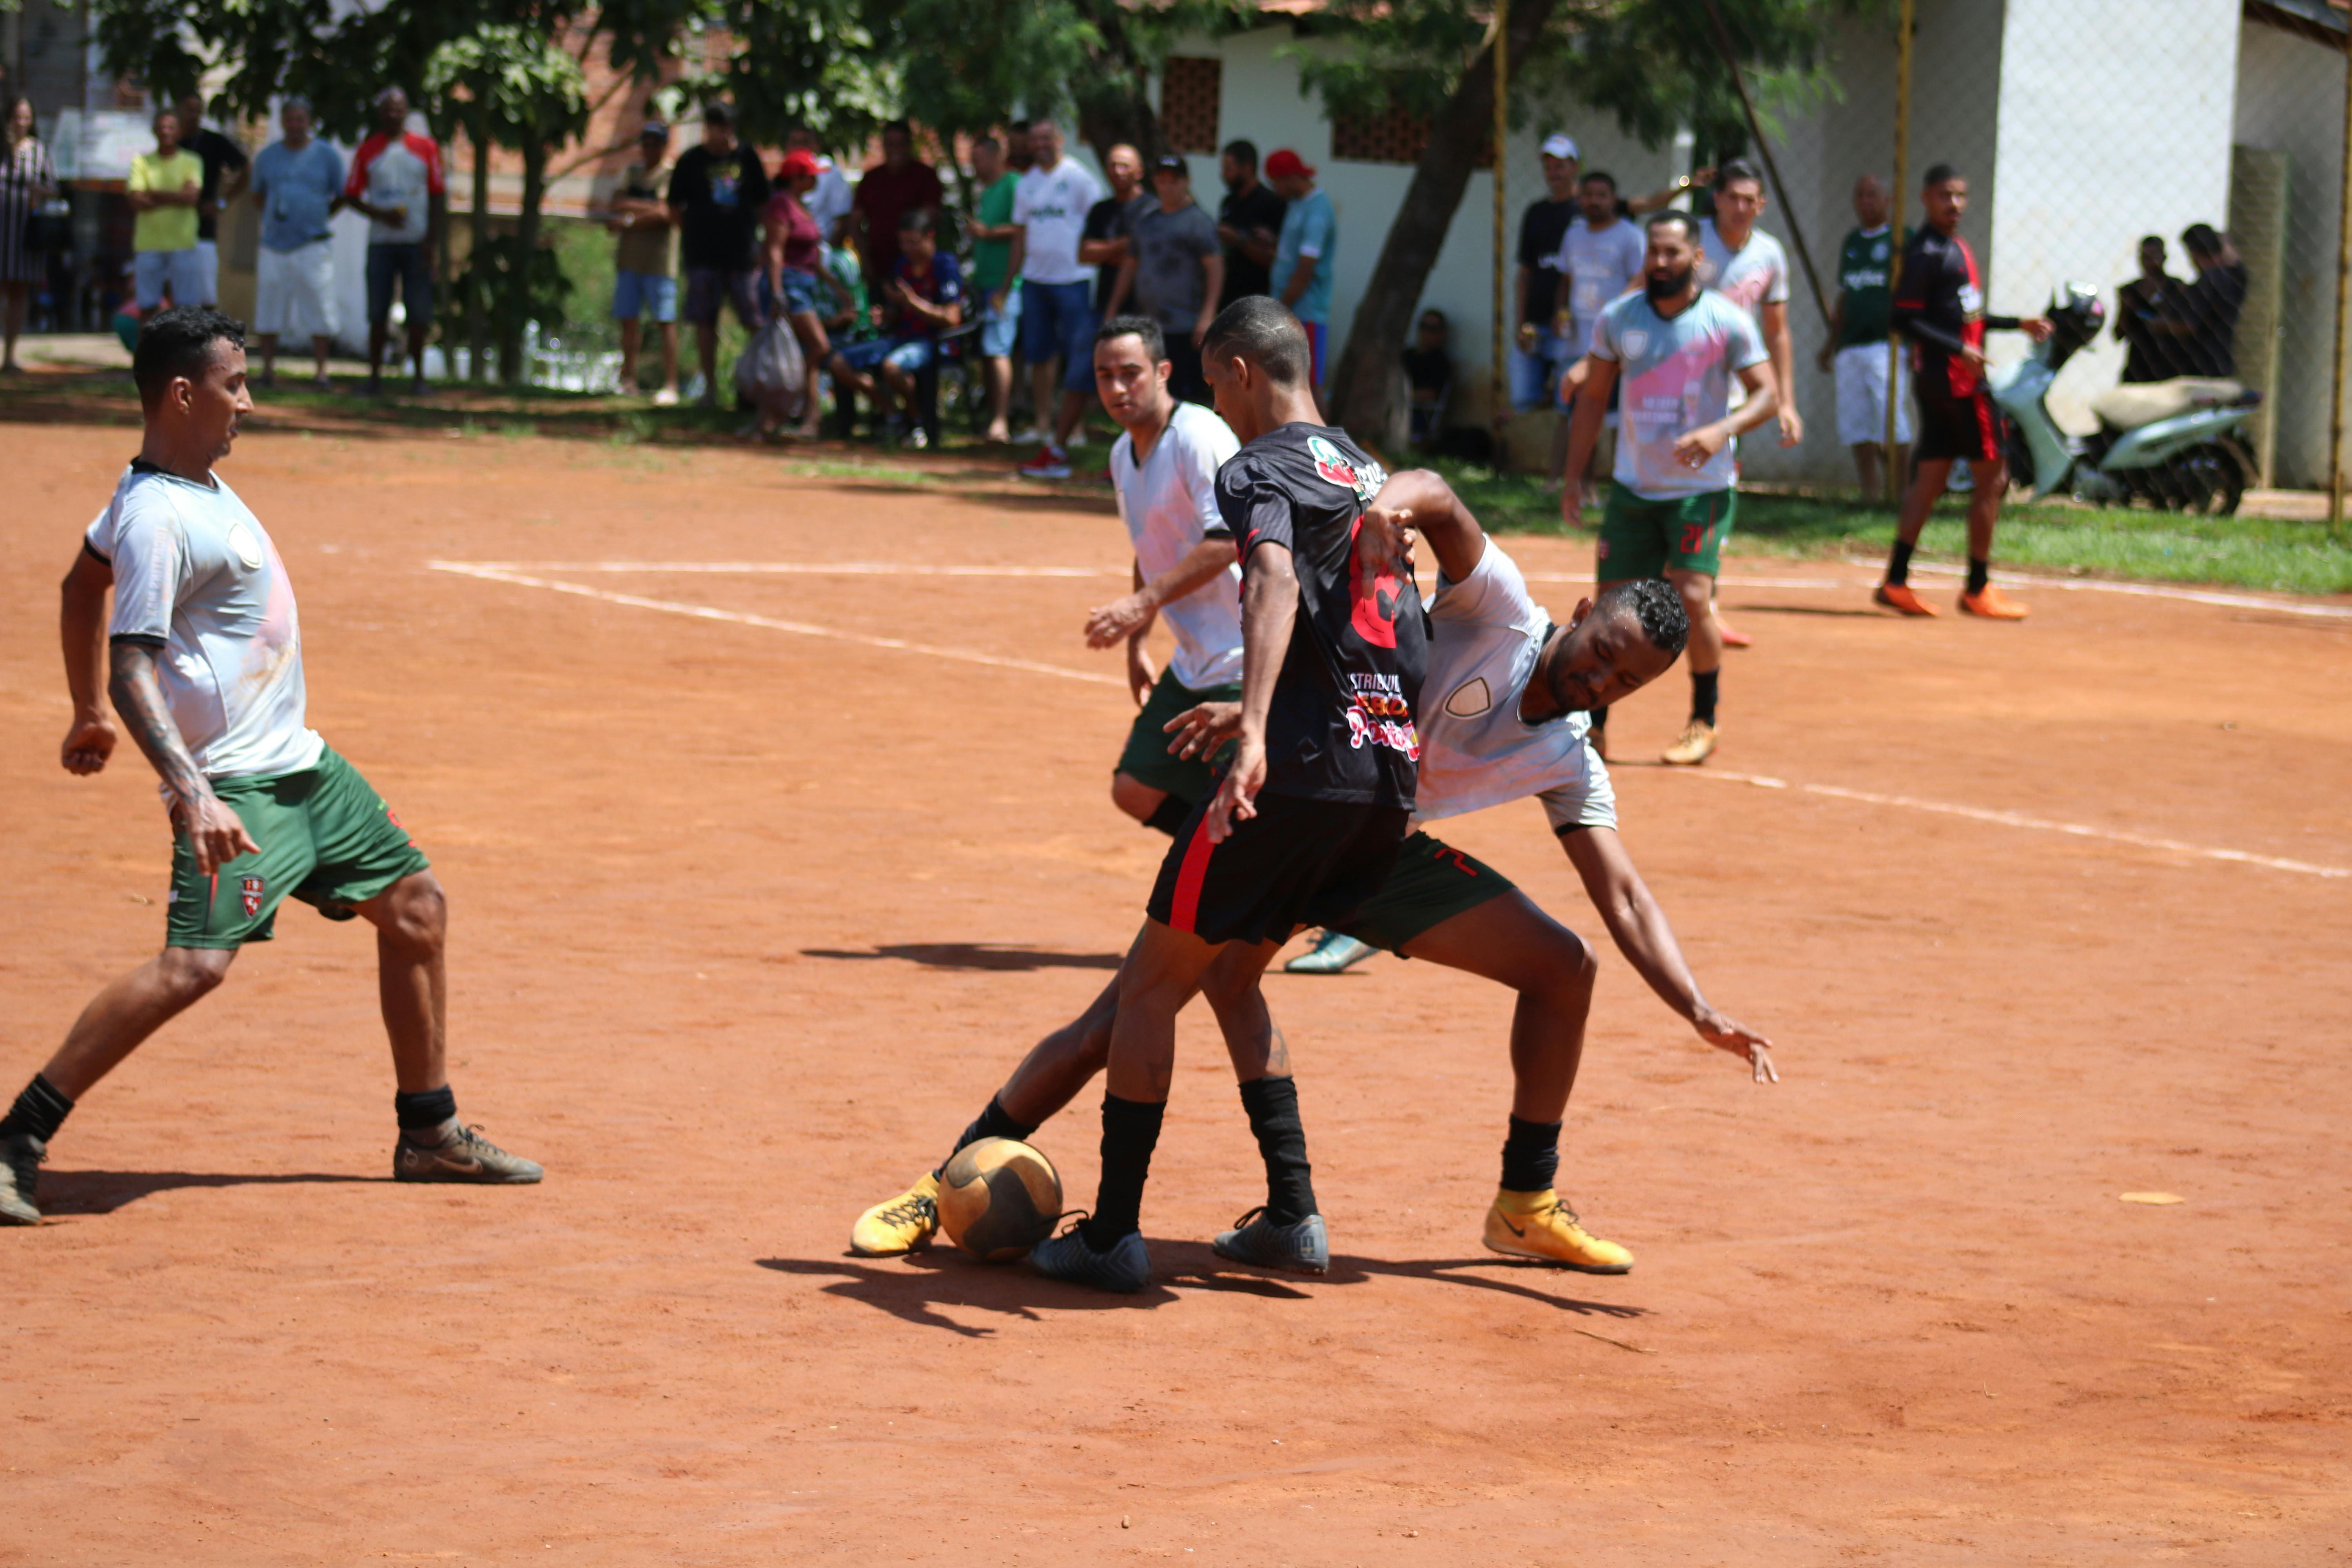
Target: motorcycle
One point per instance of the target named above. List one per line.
(2178, 445)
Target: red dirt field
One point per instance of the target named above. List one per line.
(749, 920)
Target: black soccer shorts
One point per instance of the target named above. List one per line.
(1297, 862)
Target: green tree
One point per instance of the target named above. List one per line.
(1654, 64)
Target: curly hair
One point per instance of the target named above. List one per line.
(1656, 607)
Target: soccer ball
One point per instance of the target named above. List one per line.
(998, 1198)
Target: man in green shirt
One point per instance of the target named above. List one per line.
(992, 252)
(644, 259)
(164, 187)
(1857, 345)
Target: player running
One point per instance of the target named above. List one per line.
(1508, 691)
(1673, 491)
(206, 670)
(1164, 469)
(1939, 306)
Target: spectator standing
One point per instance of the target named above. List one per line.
(715, 196)
(830, 202)
(1856, 352)
(2140, 304)
(164, 187)
(1110, 225)
(1428, 375)
(1176, 270)
(792, 261)
(1747, 266)
(2203, 321)
(925, 296)
(892, 188)
(992, 285)
(27, 178)
(298, 182)
(1540, 352)
(1249, 223)
(1599, 259)
(1057, 326)
(395, 175)
(1305, 256)
(225, 172)
(645, 260)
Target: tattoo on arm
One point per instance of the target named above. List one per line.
(138, 699)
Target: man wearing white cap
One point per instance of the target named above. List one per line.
(1540, 352)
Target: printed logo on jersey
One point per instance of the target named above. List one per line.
(1634, 342)
(249, 888)
(1332, 467)
(1470, 699)
(247, 547)
(1380, 716)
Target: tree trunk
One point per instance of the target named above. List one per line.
(526, 254)
(1364, 385)
(1108, 120)
(477, 241)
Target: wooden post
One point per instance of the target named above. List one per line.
(1502, 323)
(1895, 482)
(2343, 308)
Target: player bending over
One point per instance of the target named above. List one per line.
(1164, 471)
(1672, 493)
(206, 670)
(1511, 692)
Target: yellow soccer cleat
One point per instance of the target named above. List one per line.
(1692, 747)
(1541, 1225)
(898, 1227)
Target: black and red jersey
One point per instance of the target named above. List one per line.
(1939, 306)
(1341, 726)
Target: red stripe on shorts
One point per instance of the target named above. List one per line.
(1185, 909)
(1987, 442)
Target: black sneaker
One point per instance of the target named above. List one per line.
(453, 1152)
(20, 1173)
(1125, 1269)
(1301, 1248)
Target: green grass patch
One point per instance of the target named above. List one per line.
(2058, 537)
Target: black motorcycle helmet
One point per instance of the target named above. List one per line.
(2076, 314)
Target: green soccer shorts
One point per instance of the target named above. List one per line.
(326, 838)
(1644, 537)
(1432, 883)
(1146, 758)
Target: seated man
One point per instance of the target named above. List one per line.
(926, 290)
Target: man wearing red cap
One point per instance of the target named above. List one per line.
(1304, 257)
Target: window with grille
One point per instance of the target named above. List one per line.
(1190, 95)
(1398, 136)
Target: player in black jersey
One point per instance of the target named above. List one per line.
(1939, 306)
(1306, 823)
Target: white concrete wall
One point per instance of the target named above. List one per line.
(2290, 97)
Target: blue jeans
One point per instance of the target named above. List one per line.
(406, 262)
(633, 293)
(1536, 372)
(1000, 330)
(1059, 319)
(911, 355)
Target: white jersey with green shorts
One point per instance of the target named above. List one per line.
(1675, 373)
(1167, 501)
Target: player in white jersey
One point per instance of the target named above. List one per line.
(1747, 266)
(1503, 719)
(205, 650)
(1163, 469)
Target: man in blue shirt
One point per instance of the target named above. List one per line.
(298, 181)
(925, 293)
(1303, 257)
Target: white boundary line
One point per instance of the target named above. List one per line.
(2284, 607)
(2019, 819)
(489, 574)
(496, 572)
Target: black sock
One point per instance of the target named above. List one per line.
(993, 1123)
(425, 1112)
(1169, 815)
(1979, 574)
(39, 1110)
(1531, 1156)
(1130, 1131)
(1272, 1107)
(1703, 694)
(1898, 564)
(1599, 719)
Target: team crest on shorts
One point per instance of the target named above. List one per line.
(250, 889)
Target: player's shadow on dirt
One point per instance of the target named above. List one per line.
(912, 1288)
(1012, 959)
(103, 1192)
(1855, 615)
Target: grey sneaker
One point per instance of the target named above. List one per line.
(1301, 1248)
(1125, 1269)
(1333, 953)
(459, 1154)
(20, 1172)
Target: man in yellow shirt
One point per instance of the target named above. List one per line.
(164, 188)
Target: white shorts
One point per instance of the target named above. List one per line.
(208, 265)
(183, 271)
(1862, 397)
(294, 292)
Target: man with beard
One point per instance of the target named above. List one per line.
(1678, 348)
(1249, 225)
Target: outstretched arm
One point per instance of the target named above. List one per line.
(1423, 502)
(1269, 610)
(82, 630)
(213, 829)
(1642, 934)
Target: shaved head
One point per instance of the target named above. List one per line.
(1260, 330)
